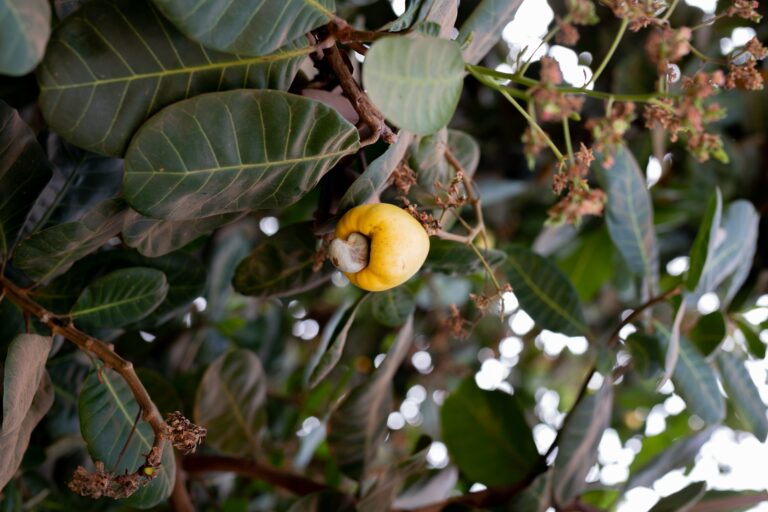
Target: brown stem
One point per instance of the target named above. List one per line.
(179, 499)
(64, 327)
(639, 310)
(368, 113)
(296, 484)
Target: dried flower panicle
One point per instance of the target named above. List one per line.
(103, 483)
(431, 225)
(184, 434)
(582, 12)
(640, 13)
(746, 9)
(567, 33)
(581, 200)
(456, 323)
(608, 132)
(551, 104)
(756, 49)
(744, 76)
(668, 46)
(403, 178)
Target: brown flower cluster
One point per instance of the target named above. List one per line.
(403, 178)
(746, 75)
(580, 199)
(608, 132)
(580, 12)
(431, 224)
(103, 483)
(451, 196)
(184, 434)
(640, 13)
(455, 323)
(689, 114)
(746, 9)
(551, 104)
(667, 46)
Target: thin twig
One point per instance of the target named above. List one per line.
(368, 113)
(614, 339)
(296, 484)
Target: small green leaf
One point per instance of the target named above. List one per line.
(25, 26)
(111, 65)
(120, 298)
(252, 28)
(231, 151)
(50, 252)
(704, 245)
(743, 393)
(708, 332)
(482, 29)
(393, 307)
(24, 172)
(358, 426)
(27, 396)
(415, 83)
(231, 403)
(154, 237)
(108, 413)
(332, 342)
(453, 257)
(579, 439)
(280, 265)
(682, 500)
(544, 292)
(629, 213)
(487, 435)
(754, 343)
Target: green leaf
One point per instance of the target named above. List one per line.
(730, 501)
(111, 65)
(708, 332)
(590, 265)
(415, 83)
(232, 151)
(27, 396)
(671, 457)
(544, 292)
(332, 342)
(579, 439)
(230, 247)
(161, 390)
(231, 403)
(25, 26)
(108, 412)
(280, 265)
(682, 500)
(393, 307)
(743, 393)
(358, 426)
(120, 298)
(376, 176)
(704, 245)
(80, 181)
(754, 343)
(154, 237)
(482, 30)
(24, 172)
(453, 257)
(251, 27)
(427, 157)
(647, 354)
(50, 252)
(695, 382)
(629, 213)
(487, 435)
(381, 496)
(733, 255)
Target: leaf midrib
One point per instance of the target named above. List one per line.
(95, 309)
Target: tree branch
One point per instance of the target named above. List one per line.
(296, 484)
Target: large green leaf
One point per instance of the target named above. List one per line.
(253, 27)
(428, 156)
(230, 246)
(120, 298)
(708, 332)
(578, 442)
(682, 500)
(629, 213)
(50, 252)
(415, 83)
(27, 396)
(332, 342)
(487, 435)
(743, 393)
(705, 242)
(80, 181)
(24, 29)
(376, 176)
(358, 426)
(590, 264)
(24, 172)
(231, 403)
(544, 292)
(231, 151)
(453, 257)
(108, 413)
(393, 307)
(281, 264)
(111, 65)
(482, 30)
(754, 343)
(155, 237)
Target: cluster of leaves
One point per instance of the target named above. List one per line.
(147, 164)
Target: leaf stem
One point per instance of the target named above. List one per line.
(567, 136)
(611, 50)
